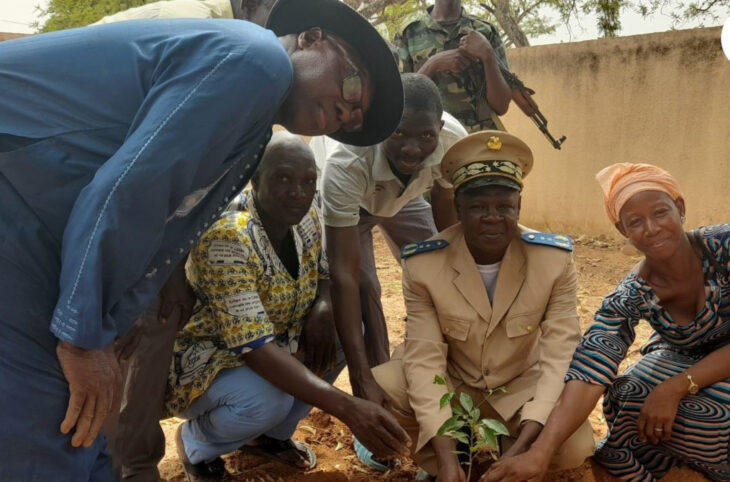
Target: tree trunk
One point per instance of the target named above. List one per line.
(509, 23)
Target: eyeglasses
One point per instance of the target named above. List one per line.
(352, 88)
(351, 91)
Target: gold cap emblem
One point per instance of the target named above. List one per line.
(494, 143)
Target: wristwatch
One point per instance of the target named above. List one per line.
(693, 388)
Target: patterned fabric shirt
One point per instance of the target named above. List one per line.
(606, 342)
(464, 94)
(247, 298)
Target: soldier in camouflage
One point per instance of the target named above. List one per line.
(461, 53)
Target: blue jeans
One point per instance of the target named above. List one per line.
(237, 408)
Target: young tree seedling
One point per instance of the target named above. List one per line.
(481, 433)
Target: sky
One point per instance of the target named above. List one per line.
(17, 15)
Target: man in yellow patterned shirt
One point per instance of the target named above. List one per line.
(247, 365)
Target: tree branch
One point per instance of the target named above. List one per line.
(487, 8)
(708, 6)
(528, 9)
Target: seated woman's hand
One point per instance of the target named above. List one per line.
(659, 411)
(530, 466)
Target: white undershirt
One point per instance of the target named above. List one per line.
(489, 274)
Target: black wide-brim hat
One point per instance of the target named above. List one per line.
(295, 16)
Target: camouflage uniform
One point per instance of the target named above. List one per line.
(464, 94)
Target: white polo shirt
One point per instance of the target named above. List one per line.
(360, 177)
(174, 9)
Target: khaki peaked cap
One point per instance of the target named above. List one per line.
(487, 158)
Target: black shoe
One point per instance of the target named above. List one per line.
(201, 472)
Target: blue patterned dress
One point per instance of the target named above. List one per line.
(701, 429)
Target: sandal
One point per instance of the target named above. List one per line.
(366, 457)
(289, 452)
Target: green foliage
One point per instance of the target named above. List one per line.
(467, 426)
(606, 12)
(62, 14)
(682, 11)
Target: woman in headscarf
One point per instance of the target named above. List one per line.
(673, 405)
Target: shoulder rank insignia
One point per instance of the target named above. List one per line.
(424, 246)
(548, 239)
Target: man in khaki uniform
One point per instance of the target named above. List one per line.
(490, 304)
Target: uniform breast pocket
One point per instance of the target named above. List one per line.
(454, 328)
(523, 324)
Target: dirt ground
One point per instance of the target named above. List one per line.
(601, 263)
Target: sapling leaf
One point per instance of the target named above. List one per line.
(495, 425)
(491, 439)
(457, 409)
(483, 435)
(450, 425)
(439, 380)
(446, 399)
(466, 402)
(461, 437)
(474, 415)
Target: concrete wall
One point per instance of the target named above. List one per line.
(659, 98)
(10, 36)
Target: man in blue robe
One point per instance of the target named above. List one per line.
(119, 145)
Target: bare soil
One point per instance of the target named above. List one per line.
(601, 263)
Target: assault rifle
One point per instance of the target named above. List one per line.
(522, 95)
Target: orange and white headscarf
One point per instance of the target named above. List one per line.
(622, 180)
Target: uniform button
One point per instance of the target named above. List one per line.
(241, 176)
(529, 328)
(181, 251)
(198, 233)
(167, 261)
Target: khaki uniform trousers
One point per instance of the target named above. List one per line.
(391, 377)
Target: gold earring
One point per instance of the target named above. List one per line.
(682, 219)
